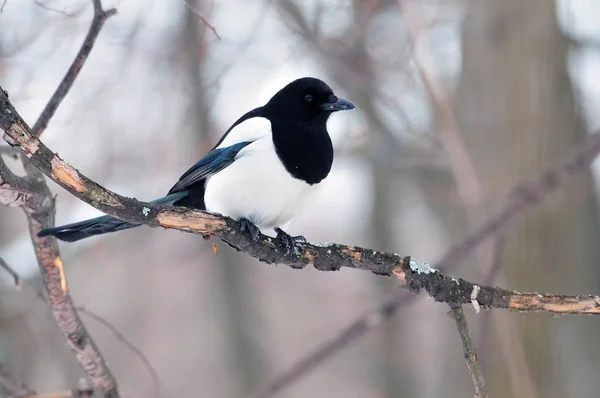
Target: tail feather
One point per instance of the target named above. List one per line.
(85, 229)
(100, 225)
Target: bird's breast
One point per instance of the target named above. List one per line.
(257, 187)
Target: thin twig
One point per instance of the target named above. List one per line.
(18, 190)
(65, 85)
(2, 7)
(83, 391)
(13, 386)
(470, 352)
(525, 195)
(10, 151)
(467, 181)
(11, 271)
(324, 351)
(136, 351)
(47, 8)
(14, 190)
(197, 12)
(82, 310)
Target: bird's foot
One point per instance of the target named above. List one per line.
(288, 240)
(253, 230)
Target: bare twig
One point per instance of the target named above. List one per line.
(17, 190)
(324, 351)
(82, 310)
(525, 195)
(83, 391)
(470, 352)
(136, 351)
(65, 85)
(198, 13)
(11, 271)
(47, 8)
(40, 210)
(2, 6)
(10, 151)
(12, 386)
(14, 190)
(463, 170)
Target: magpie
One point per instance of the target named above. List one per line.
(260, 173)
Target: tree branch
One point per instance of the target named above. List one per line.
(325, 350)
(100, 16)
(524, 196)
(12, 386)
(40, 210)
(11, 271)
(197, 12)
(323, 256)
(470, 352)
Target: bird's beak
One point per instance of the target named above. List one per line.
(339, 104)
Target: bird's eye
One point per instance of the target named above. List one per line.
(308, 98)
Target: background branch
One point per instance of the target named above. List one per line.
(11, 386)
(38, 205)
(470, 352)
(524, 196)
(11, 271)
(100, 16)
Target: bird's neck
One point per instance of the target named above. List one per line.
(304, 148)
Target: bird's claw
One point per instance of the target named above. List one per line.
(253, 230)
(288, 240)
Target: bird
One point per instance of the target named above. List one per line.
(262, 171)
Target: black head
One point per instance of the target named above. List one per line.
(298, 115)
(305, 100)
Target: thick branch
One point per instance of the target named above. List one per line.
(470, 352)
(33, 195)
(39, 208)
(324, 257)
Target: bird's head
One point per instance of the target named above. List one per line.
(305, 100)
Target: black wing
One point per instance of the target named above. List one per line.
(213, 162)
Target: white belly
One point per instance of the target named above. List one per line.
(257, 187)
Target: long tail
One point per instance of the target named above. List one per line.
(101, 225)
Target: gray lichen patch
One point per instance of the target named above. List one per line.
(421, 268)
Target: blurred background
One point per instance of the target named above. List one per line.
(458, 101)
